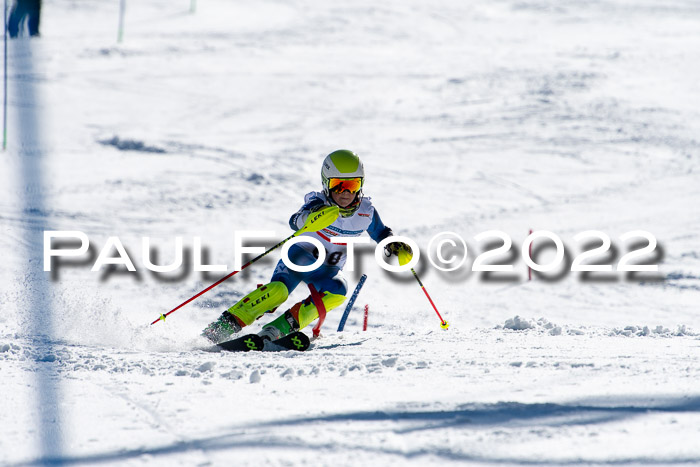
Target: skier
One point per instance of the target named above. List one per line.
(343, 177)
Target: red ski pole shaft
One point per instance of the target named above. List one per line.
(162, 317)
(444, 324)
(314, 222)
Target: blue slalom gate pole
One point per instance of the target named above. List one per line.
(4, 86)
(351, 302)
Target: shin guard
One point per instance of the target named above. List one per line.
(307, 312)
(260, 300)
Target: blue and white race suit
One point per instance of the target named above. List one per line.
(328, 277)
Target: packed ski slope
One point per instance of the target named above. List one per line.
(469, 117)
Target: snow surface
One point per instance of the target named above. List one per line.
(469, 116)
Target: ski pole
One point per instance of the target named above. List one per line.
(443, 324)
(346, 313)
(316, 221)
(404, 258)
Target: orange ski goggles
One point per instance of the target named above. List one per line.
(339, 185)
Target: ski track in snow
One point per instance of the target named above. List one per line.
(567, 394)
(509, 115)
